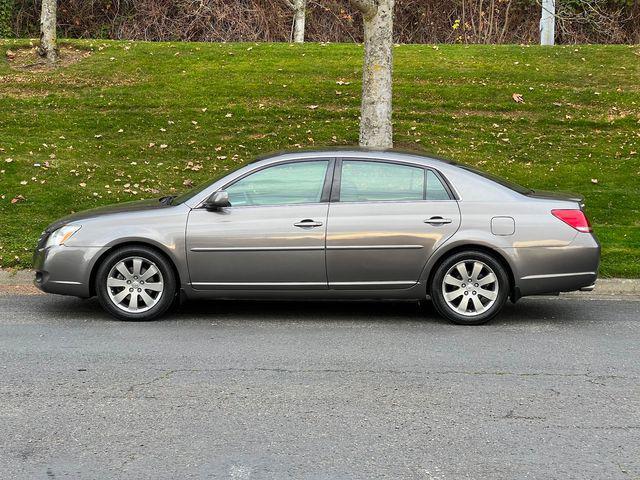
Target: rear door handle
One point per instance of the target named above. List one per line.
(307, 223)
(437, 221)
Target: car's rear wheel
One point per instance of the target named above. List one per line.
(135, 283)
(470, 288)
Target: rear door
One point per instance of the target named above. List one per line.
(385, 220)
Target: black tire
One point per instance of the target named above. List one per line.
(448, 311)
(167, 296)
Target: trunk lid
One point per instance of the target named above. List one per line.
(566, 196)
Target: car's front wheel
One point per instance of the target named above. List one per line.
(469, 288)
(135, 283)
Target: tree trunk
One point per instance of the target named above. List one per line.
(548, 22)
(300, 7)
(375, 120)
(48, 44)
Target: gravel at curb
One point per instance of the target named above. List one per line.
(605, 287)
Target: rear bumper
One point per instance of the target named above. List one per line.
(568, 282)
(558, 269)
(65, 270)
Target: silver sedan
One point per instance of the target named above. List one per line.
(328, 224)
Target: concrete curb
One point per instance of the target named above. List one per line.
(605, 287)
(617, 286)
(13, 278)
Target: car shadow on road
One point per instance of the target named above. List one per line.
(526, 311)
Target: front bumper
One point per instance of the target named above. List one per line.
(65, 270)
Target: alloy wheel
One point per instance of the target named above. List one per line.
(470, 287)
(135, 284)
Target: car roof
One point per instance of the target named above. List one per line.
(354, 152)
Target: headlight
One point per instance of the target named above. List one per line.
(61, 235)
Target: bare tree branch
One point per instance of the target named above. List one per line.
(577, 21)
(290, 4)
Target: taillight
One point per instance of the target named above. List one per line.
(574, 218)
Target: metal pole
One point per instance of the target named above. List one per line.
(548, 22)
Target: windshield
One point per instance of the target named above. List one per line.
(494, 178)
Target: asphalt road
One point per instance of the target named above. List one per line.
(246, 390)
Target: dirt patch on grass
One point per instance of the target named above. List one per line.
(27, 59)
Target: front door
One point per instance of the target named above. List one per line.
(385, 220)
(271, 237)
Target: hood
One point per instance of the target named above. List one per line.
(566, 196)
(134, 206)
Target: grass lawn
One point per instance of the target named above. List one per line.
(135, 120)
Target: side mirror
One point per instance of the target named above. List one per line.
(217, 201)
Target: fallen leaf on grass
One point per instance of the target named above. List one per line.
(517, 97)
(17, 198)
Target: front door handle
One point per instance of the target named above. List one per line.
(437, 221)
(307, 223)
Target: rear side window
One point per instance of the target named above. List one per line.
(363, 181)
(435, 188)
(378, 181)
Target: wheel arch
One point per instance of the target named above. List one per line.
(436, 261)
(132, 243)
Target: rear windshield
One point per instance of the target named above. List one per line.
(494, 178)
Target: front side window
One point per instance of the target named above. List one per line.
(379, 181)
(285, 184)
